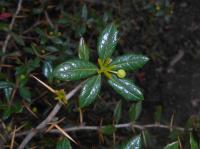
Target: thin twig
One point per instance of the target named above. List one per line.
(117, 126)
(49, 118)
(13, 139)
(4, 47)
(48, 19)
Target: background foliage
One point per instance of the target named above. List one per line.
(47, 33)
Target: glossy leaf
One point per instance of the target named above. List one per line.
(126, 88)
(90, 91)
(83, 50)
(7, 88)
(173, 145)
(47, 70)
(108, 130)
(63, 144)
(74, 70)
(135, 143)
(84, 13)
(130, 62)
(107, 42)
(193, 143)
(8, 93)
(5, 84)
(135, 110)
(118, 112)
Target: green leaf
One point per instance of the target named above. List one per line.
(107, 42)
(135, 110)
(89, 91)
(83, 50)
(130, 62)
(63, 144)
(8, 93)
(7, 88)
(18, 39)
(74, 70)
(173, 145)
(47, 70)
(193, 143)
(84, 13)
(108, 130)
(126, 88)
(6, 84)
(25, 93)
(118, 112)
(135, 143)
(9, 110)
(158, 113)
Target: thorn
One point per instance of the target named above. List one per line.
(13, 139)
(64, 133)
(171, 122)
(44, 84)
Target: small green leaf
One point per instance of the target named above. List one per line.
(193, 143)
(5, 84)
(118, 112)
(173, 145)
(158, 113)
(8, 93)
(135, 110)
(107, 42)
(135, 143)
(47, 70)
(63, 144)
(9, 110)
(89, 91)
(7, 88)
(18, 39)
(83, 50)
(74, 70)
(130, 62)
(108, 130)
(126, 88)
(84, 13)
(25, 93)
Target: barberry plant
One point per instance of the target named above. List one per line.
(114, 69)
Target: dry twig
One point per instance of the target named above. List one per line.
(49, 118)
(4, 47)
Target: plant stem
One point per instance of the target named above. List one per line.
(48, 119)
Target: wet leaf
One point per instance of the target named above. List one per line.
(83, 50)
(126, 88)
(130, 62)
(193, 143)
(135, 110)
(118, 112)
(84, 13)
(63, 144)
(107, 42)
(5, 84)
(90, 91)
(7, 88)
(47, 70)
(173, 145)
(135, 143)
(74, 70)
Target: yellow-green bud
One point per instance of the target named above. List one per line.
(121, 73)
(34, 109)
